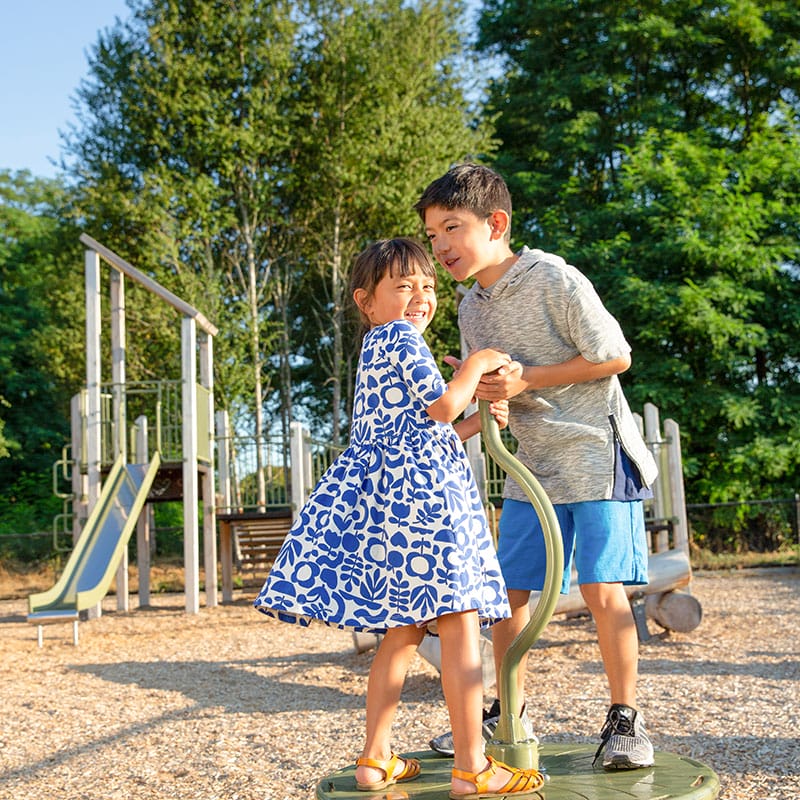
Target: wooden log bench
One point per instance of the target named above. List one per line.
(250, 540)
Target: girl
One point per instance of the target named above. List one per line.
(394, 536)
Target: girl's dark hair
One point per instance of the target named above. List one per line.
(400, 256)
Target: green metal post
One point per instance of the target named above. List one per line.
(510, 744)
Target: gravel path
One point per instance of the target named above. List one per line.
(229, 704)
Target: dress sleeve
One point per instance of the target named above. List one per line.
(407, 352)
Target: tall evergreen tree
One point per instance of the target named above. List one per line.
(655, 146)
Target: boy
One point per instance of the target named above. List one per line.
(574, 427)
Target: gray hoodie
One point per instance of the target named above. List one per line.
(543, 311)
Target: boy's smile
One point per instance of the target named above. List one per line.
(467, 245)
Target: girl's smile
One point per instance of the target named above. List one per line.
(411, 297)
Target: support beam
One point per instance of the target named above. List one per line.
(93, 378)
(209, 498)
(142, 456)
(191, 521)
(119, 404)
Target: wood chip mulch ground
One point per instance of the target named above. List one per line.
(228, 704)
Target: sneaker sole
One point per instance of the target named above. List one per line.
(622, 762)
(442, 751)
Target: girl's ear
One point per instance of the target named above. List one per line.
(361, 298)
(498, 222)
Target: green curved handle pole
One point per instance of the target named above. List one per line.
(510, 743)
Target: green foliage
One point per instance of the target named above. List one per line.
(41, 317)
(27, 508)
(655, 146)
(244, 153)
(379, 110)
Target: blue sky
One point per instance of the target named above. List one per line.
(43, 47)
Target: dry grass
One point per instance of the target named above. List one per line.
(226, 703)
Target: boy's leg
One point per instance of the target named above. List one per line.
(386, 677)
(611, 550)
(503, 634)
(616, 635)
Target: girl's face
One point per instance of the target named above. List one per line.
(411, 297)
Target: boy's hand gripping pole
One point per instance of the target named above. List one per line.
(510, 743)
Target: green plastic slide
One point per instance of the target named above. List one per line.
(97, 554)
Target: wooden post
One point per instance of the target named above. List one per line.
(120, 426)
(653, 437)
(680, 523)
(142, 456)
(93, 378)
(223, 468)
(209, 498)
(296, 452)
(191, 522)
(79, 499)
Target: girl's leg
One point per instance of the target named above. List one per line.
(386, 677)
(463, 692)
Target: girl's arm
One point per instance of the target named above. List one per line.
(469, 426)
(461, 389)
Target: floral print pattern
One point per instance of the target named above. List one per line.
(394, 533)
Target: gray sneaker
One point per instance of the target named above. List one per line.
(444, 744)
(624, 742)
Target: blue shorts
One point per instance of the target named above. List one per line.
(606, 538)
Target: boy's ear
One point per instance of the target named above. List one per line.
(499, 222)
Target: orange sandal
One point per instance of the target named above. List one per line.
(522, 782)
(410, 770)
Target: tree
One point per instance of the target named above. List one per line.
(655, 146)
(245, 152)
(379, 110)
(181, 151)
(41, 319)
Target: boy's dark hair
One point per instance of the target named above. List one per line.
(400, 256)
(469, 186)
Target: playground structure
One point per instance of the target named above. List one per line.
(260, 483)
(105, 511)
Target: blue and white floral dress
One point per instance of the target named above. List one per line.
(394, 533)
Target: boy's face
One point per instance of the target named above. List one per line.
(467, 245)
